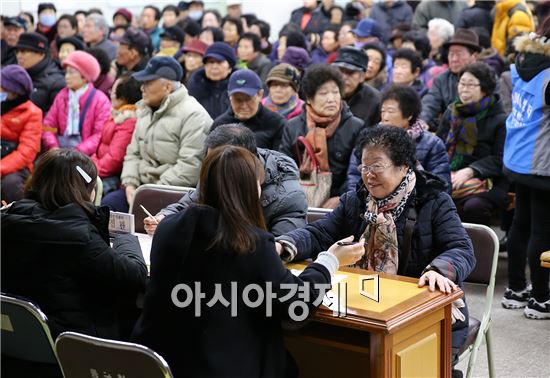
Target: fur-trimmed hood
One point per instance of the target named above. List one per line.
(533, 43)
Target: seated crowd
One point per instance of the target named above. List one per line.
(372, 110)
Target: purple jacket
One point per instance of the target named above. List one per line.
(97, 114)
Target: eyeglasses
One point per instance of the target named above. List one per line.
(375, 168)
(468, 85)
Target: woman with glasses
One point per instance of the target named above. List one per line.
(473, 130)
(392, 193)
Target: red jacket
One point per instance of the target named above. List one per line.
(115, 137)
(22, 124)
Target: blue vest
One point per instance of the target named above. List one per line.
(527, 146)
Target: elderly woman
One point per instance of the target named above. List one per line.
(79, 110)
(283, 82)
(209, 84)
(401, 107)
(327, 124)
(377, 73)
(473, 129)
(440, 252)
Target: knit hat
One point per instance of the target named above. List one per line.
(33, 41)
(196, 46)
(14, 78)
(85, 63)
(44, 6)
(297, 57)
(124, 13)
(220, 51)
(284, 73)
(76, 42)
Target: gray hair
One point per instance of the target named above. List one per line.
(99, 22)
(442, 27)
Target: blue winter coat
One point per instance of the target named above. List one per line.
(430, 153)
(389, 17)
(438, 239)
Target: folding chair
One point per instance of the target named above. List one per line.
(83, 356)
(154, 198)
(25, 334)
(485, 243)
(316, 213)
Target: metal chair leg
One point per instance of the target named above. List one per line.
(489, 342)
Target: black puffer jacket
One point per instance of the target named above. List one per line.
(48, 79)
(284, 203)
(442, 93)
(340, 146)
(266, 125)
(62, 261)
(438, 237)
(486, 160)
(212, 95)
(365, 104)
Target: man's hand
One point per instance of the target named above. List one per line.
(279, 248)
(151, 224)
(431, 277)
(130, 191)
(459, 177)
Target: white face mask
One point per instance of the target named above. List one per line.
(47, 19)
(195, 15)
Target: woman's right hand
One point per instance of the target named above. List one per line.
(150, 224)
(348, 254)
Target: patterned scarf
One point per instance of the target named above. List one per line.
(330, 124)
(73, 115)
(284, 109)
(381, 250)
(462, 137)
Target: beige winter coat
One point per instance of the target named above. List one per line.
(167, 145)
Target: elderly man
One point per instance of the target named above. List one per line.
(47, 78)
(13, 28)
(149, 22)
(134, 51)
(166, 146)
(362, 99)
(283, 200)
(463, 50)
(245, 91)
(95, 34)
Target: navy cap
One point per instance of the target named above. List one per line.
(164, 67)
(15, 21)
(352, 59)
(220, 51)
(368, 27)
(244, 81)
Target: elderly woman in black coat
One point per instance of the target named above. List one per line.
(440, 253)
(329, 122)
(473, 129)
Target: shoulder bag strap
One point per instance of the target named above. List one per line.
(308, 149)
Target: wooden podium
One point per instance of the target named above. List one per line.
(407, 333)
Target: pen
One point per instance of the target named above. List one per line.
(149, 214)
(342, 243)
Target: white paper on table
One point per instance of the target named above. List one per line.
(330, 300)
(333, 280)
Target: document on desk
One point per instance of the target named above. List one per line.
(331, 299)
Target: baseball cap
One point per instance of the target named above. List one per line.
(352, 59)
(368, 27)
(244, 81)
(15, 21)
(164, 67)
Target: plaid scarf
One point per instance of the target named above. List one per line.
(285, 109)
(382, 253)
(462, 138)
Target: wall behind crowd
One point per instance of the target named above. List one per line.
(276, 12)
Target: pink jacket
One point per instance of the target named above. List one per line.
(55, 122)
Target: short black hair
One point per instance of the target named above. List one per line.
(29, 15)
(190, 27)
(235, 21)
(96, 11)
(288, 28)
(250, 18)
(234, 134)
(421, 42)
(128, 88)
(215, 13)
(256, 42)
(380, 49)
(217, 33)
(485, 75)
(102, 58)
(483, 36)
(69, 17)
(332, 28)
(171, 8)
(296, 39)
(395, 141)
(81, 11)
(318, 74)
(410, 55)
(407, 99)
(265, 28)
(155, 9)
